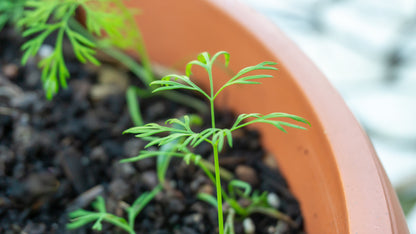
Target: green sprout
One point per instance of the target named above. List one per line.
(108, 19)
(44, 18)
(82, 217)
(10, 11)
(185, 137)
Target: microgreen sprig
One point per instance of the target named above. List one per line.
(10, 11)
(82, 217)
(214, 136)
(109, 27)
(42, 18)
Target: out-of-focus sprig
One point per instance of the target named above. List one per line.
(10, 11)
(42, 18)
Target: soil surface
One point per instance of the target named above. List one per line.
(57, 156)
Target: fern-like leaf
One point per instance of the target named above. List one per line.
(205, 61)
(269, 119)
(183, 134)
(178, 82)
(140, 203)
(10, 11)
(242, 78)
(42, 18)
(82, 217)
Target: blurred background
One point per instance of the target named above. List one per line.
(367, 49)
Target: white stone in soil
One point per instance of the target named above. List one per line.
(273, 200)
(45, 51)
(249, 227)
(281, 227)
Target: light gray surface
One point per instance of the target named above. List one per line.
(367, 49)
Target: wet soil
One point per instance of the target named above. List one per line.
(57, 156)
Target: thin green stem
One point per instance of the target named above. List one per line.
(133, 104)
(218, 187)
(212, 114)
(224, 172)
(216, 158)
(229, 223)
(212, 98)
(113, 219)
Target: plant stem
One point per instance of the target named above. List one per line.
(216, 159)
(225, 174)
(133, 105)
(219, 190)
(229, 223)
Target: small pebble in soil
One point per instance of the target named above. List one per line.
(176, 205)
(111, 82)
(206, 188)
(281, 227)
(119, 189)
(123, 170)
(247, 174)
(270, 161)
(149, 178)
(86, 198)
(98, 154)
(193, 218)
(10, 70)
(45, 50)
(32, 228)
(249, 227)
(273, 200)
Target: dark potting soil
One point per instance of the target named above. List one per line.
(57, 156)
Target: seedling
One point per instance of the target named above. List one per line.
(185, 137)
(43, 18)
(10, 10)
(108, 19)
(82, 217)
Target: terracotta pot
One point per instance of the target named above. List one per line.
(332, 168)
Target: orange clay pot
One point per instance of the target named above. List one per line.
(332, 167)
